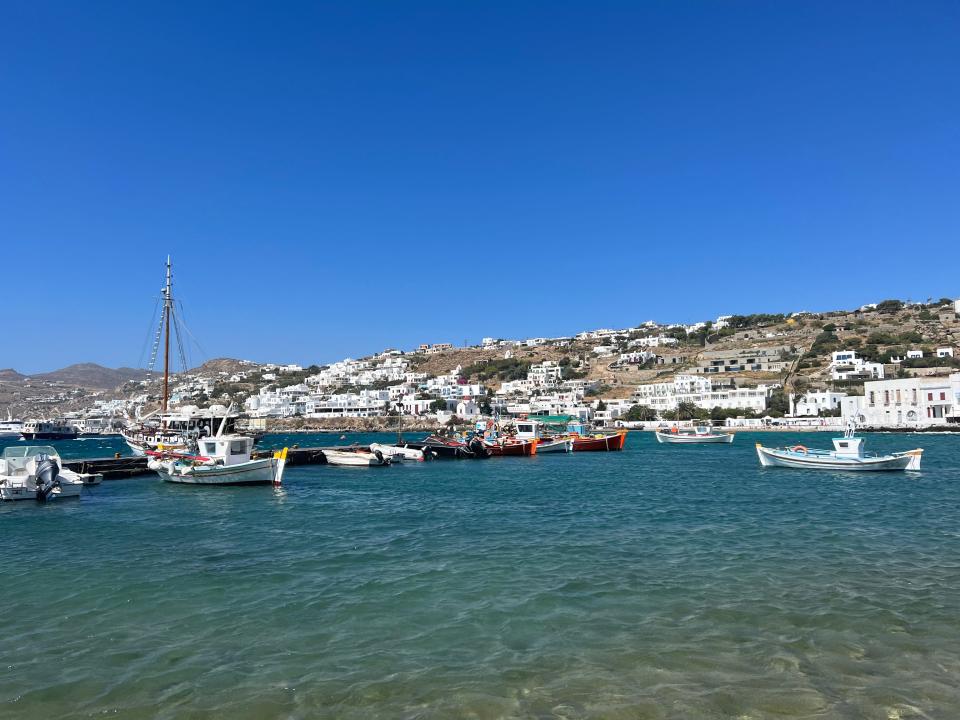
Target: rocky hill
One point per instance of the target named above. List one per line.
(11, 375)
(91, 375)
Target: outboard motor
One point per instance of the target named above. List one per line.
(476, 447)
(379, 456)
(47, 472)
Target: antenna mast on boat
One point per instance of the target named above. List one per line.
(167, 309)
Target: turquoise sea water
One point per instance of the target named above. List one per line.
(661, 582)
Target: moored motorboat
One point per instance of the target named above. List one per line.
(355, 457)
(600, 442)
(451, 448)
(36, 472)
(397, 453)
(221, 460)
(48, 430)
(698, 435)
(848, 454)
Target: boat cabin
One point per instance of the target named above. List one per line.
(227, 449)
(528, 430)
(848, 446)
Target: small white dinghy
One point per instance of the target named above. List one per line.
(698, 435)
(222, 460)
(396, 453)
(847, 454)
(36, 472)
(357, 457)
(561, 445)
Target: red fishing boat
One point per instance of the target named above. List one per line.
(600, 443)
(512, 447)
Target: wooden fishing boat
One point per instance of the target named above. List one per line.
(509, 447)
(698, 435)
(225, 460)
(600, 442)
(848, 454)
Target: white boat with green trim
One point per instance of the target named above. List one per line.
(848, 454)
(698, 435)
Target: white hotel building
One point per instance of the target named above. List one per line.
(700, 391)
(911, 402)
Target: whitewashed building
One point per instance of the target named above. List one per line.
(545, 374)
(910, 402)
(812, 403)
(845, 365)
(702, 392)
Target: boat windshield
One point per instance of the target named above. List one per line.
(28, 451)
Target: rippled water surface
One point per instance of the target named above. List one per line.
(661, 582)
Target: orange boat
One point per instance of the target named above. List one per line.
(600, 443)
(516, 448)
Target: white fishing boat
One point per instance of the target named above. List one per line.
(398, 453)
(36, 472)
(356, 457)
(221, 460)
(560, 445)
(697, 435)
(848, 454)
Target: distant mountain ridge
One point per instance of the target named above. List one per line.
(11, 375)
(91, 375)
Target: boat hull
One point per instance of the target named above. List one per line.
(451, 450)
(399, 453)
(690, 439)
(48, 436)
(28, 491)
(555, 446)
(350, 458)
(523, 448)
(773, 457)
(255, 472)
(607, 443)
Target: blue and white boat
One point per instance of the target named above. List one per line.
(848, 454)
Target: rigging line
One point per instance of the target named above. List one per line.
(176, 329)
(156, 344)
(186, 328)
(146, 339)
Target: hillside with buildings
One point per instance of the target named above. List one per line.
(736, 368)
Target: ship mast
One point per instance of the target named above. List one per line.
(167, 309)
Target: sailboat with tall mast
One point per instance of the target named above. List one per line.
(174, 431)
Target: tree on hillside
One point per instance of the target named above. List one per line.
(438, 405)
(889, 306)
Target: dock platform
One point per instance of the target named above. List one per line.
(113, 468)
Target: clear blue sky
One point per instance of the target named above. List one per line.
(335, 178)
